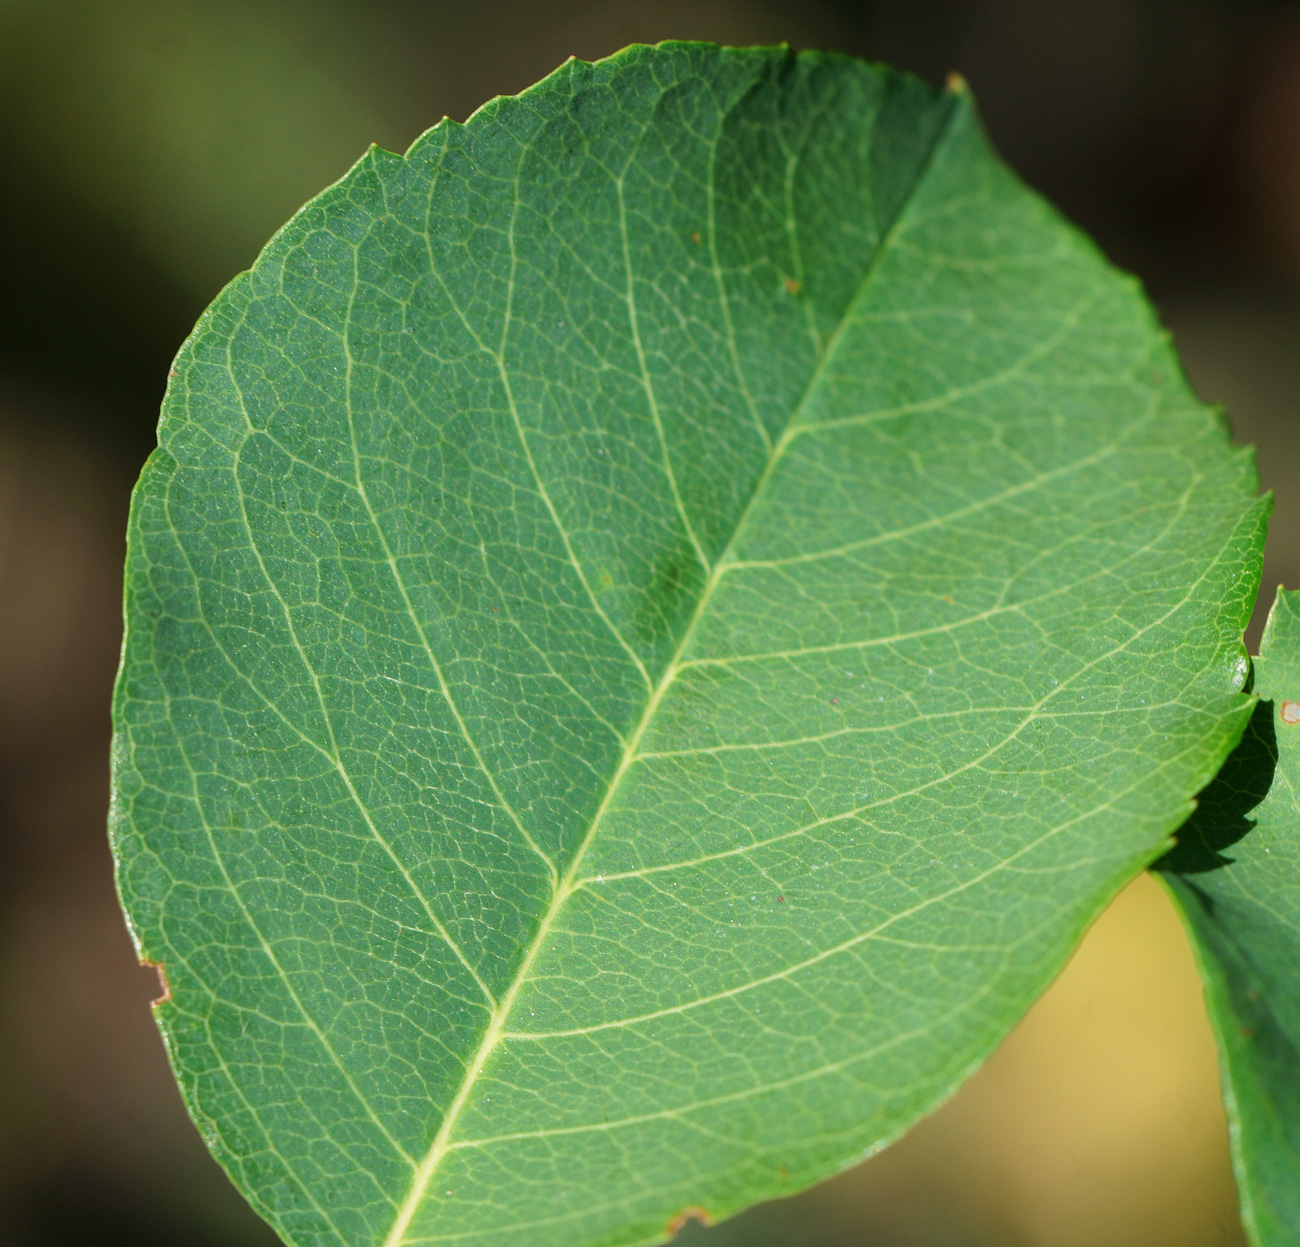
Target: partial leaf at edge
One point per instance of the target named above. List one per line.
(655, 621)
(1235, 875)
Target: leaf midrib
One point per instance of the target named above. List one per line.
(565, 887)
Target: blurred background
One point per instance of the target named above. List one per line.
(151, 146)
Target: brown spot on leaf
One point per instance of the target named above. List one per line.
(695, 237)
(693, 1213)
(1291, 712)
(164, 987)
(792, 285)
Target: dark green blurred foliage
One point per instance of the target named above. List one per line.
(152, 146)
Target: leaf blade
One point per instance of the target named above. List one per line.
(436, 503)
(1235, 877)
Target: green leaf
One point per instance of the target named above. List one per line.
(1235, 874)
(656, 620)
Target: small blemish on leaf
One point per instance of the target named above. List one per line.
(1291, 712)
(695, 237)
(164, 988)
(792, 285)
(693, 1213)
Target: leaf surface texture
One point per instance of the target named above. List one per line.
(656, 620)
